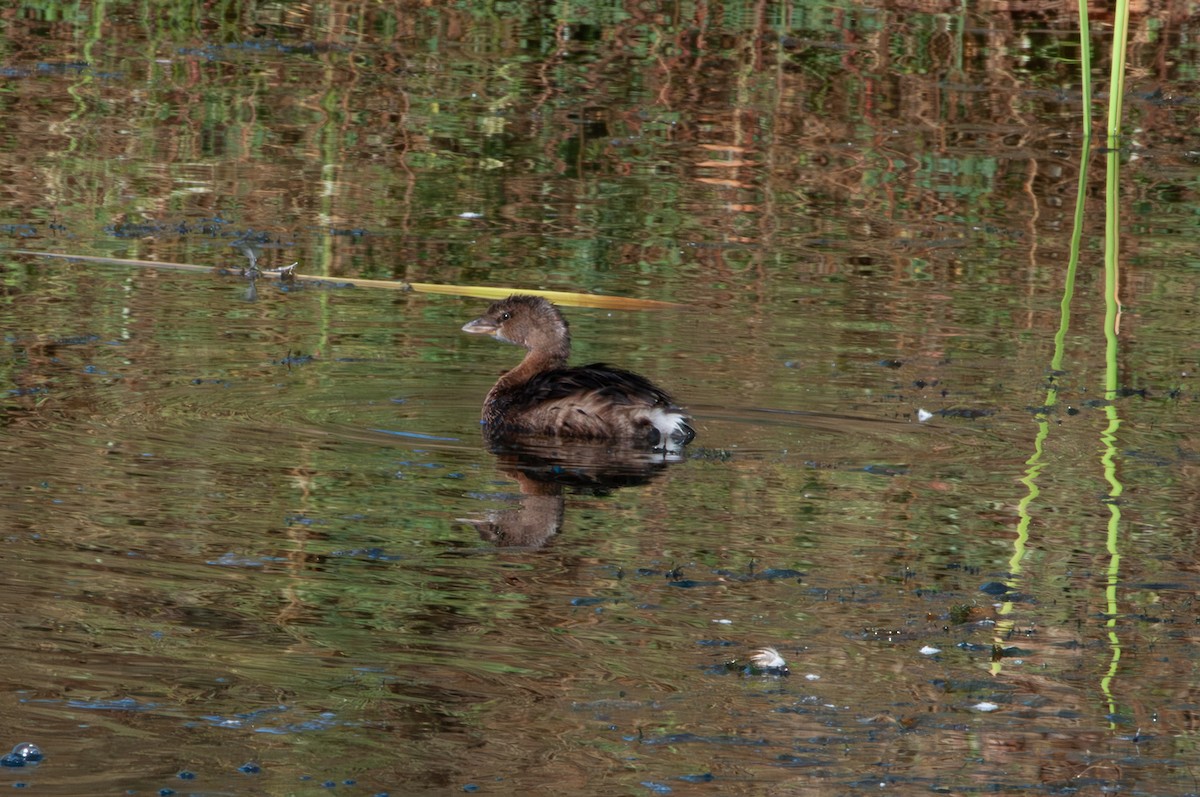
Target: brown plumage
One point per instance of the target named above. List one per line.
(544, 396)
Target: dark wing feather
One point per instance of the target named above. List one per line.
(616, 384)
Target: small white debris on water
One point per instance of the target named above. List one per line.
(923, 415)
(985, 706)
(724, 622)
(470, 214)
(812, 676)
(930, 650)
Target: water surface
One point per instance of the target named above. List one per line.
(254, 543)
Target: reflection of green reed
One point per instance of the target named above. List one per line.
(1111, 325)
(1034, 462)
(1111, 320)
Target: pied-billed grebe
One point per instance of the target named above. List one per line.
(544, 396)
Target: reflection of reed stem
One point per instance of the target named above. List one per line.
(1112, 321)
(1035, 464)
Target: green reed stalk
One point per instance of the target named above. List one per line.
(1112, 242)
(1085, 73)
(1035, 463)
(1112, 316)
(1064, 323)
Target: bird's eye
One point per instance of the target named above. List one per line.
(505, 316)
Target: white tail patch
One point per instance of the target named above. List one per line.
(672, 426)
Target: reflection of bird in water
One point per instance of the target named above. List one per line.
(536, 519)
(544, 467)
(544, 396)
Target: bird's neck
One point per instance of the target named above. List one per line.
(537, 360)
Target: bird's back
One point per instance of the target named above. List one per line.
(593, 401)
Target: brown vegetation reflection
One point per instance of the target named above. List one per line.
(733, 122)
